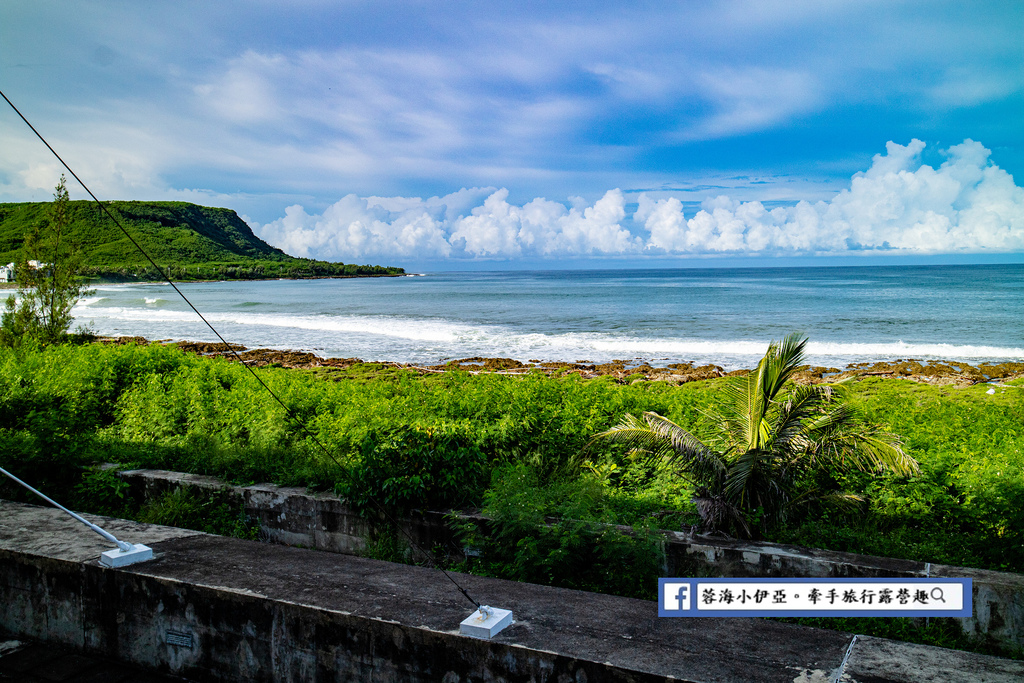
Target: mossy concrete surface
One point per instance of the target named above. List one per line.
(293, 516)
(215, 608)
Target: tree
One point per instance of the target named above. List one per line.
(48, 279)
(775, 445)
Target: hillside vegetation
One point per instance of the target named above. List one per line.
(191, 242)
(514, 446)
(157, 406)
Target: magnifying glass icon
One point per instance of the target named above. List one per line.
(940, 596)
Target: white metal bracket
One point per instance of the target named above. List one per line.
(486, 622)
(125, 553)
(122, 558)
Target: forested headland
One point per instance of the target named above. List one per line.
(188, 241)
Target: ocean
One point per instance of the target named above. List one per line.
(724, 316)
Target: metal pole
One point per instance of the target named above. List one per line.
(102, 532)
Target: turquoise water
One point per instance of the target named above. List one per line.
(726, 316)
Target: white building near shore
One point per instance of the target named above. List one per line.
(7, 273)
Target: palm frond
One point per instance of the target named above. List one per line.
(750, 398)
(757, 479)
(846, 502)
(661, 437)
(884, 451)
(741, 470)
(842, 437)
(636, 434)
(689, 450)
(716, 513)
(779, 364)
(739, 410)
(796, 415)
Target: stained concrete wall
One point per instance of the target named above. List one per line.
(292, 516)
(222, 609)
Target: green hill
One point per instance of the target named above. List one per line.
(191, 242)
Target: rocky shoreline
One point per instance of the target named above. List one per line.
(628, 371)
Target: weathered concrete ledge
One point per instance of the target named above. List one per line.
(221, 609)
(293, 516)
(316, 520)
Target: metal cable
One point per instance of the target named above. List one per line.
(123, 545)
(288, 410)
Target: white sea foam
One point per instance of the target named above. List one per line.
(117, 288)
(900, 349)
(425, 339)
(413, 330)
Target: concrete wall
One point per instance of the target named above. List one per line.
(209, 633)
(292, 516)
(222, 609)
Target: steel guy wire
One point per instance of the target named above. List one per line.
(233, 352)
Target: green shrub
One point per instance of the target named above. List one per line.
(214, 513)
(103, 493)
(410, 468)
(64, 408)
(570, 550)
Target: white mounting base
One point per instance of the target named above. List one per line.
(123, 558)
(486, 622)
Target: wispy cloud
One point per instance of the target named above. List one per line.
(314, 101)
(960, 87)
(752, 99)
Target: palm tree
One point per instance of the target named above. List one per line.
(771, 439)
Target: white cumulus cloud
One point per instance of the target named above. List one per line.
(898, 205)
(357, 227)
(352, 227)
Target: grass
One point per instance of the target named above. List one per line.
(158, 407)
(517, 447)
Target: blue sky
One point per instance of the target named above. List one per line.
(496, 134)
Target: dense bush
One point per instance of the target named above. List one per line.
(63, 408)
(212, 513)
(408, 468)
(965, 507)
(552, 534)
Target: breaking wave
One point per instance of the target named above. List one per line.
(407, 339)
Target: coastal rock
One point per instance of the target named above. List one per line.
(939, 372)
(935, 371)
(481, 363)
(206, 348)
(123, 340)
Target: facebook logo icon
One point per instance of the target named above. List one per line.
(675, 597)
